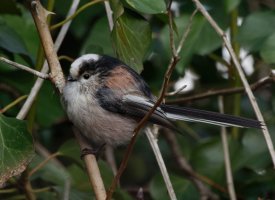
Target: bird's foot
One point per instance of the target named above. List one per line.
(96, 151)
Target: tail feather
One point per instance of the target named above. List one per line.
(195, 115)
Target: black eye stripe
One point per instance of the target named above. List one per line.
(87, 66)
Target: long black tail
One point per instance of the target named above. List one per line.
(195, 115)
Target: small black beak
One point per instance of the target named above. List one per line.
(70, 79)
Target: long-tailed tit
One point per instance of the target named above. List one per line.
(105, 99)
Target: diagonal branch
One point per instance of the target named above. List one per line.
(45, 69)
(39, 15)
(152, 137)
(184, 166)
(242, 76)
(25, 68)
(174, 60)
(226, 91)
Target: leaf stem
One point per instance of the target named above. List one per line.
(43, 163)
(82, 8)
(14, 103)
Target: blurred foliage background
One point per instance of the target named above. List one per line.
(141, 39)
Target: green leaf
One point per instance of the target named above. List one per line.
(147, 6)
(268, 49)
(24, 26)
(131, 37)
(182, 187)
(247, 154)
(50, 172)
(195, 43)
(71, 149)
(255, 29)
(48, 96)
(122, 195)
(208, 159)
(11, 41)
(16, 147)
(99, 39)
(117, 8)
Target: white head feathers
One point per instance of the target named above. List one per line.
(76, 65)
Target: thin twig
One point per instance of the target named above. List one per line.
(174, 60)
(242, 76)
(67, 58)
(9, 89)
(39, 14)
(228, 170)
(186, 32)
(153, 142)
(183, 164)
(110, 159)
(43, 163)
(173, 93)
(84, 7)
(45, 69)
(92, 168)
(25, 68)
(12, 104)
(9, 190)
(226, 91)
(45, 189)
(41, 150)
(27, 186)
(171, 31)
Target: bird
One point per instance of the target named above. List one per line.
(105, 99)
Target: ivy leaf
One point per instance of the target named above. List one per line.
(117, 8)
(147, 6)
(11, 41)
(131, 37)
(182, 187)
(268, 50)
(256, 28)
(16, 147)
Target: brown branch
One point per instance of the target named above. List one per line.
(43, 163)
(227, 91)
(174, 60)
(7, 88)
(183, 164)
(26, 184)
(57, 77)
(39, 15)
(40, 149)
(92, 168)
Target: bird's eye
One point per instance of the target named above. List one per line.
(86, 76)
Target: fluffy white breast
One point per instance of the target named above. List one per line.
(76, 65)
